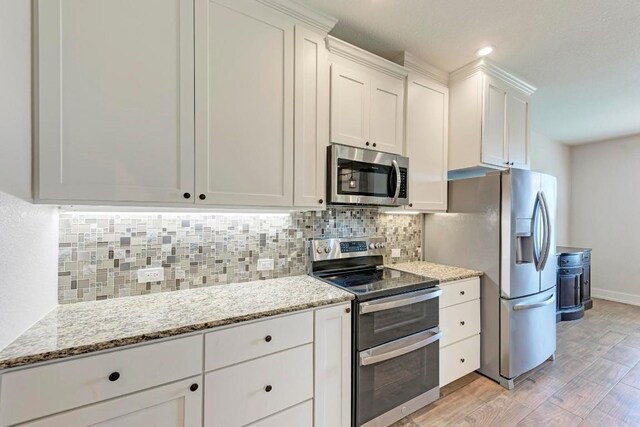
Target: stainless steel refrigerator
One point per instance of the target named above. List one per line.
(505, 225)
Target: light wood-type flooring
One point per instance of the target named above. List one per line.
(594, 381)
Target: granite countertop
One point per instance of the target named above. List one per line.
(442, 272)
(85, 327)
(568, 250)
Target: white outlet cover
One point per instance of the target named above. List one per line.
(146, 275)
(395, 253)
(265, 264)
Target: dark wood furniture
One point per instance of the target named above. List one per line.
(573, 283)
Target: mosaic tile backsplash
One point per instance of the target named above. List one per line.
(100, 253)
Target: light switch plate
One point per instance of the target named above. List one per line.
(146, 275)
(265, 264)
(395, 253)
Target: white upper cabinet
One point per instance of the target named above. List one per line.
(367, 99)
(427, 127)
(244, 104)
(489, 116)
(114, 100)
(311, 123)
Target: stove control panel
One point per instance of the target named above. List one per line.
(328, 249)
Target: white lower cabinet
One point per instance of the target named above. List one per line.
(173, 405)
(289, 370)
(460, 325)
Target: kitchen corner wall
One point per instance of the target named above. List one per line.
(100, 254)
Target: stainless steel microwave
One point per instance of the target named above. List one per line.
(366, 177)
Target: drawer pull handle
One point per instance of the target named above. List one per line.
(461, 292)
(193, 387)
(268, 388)
(462, 360)
(114, 376)
(268, 338)
(462, 323)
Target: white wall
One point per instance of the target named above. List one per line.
(28, 233)
(606, 214)
(554, 158)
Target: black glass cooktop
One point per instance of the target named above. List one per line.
(372, 283)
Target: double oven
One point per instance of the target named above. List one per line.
(395, 348)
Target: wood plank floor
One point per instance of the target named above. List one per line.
(594, 381)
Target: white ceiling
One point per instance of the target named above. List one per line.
(583, 55)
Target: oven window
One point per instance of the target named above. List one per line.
(364, 179)
(386, 385)
(388, 325)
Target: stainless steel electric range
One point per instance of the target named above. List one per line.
(395, 349)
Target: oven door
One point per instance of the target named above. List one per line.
(387, 319)
(397, 378)
(367, 177)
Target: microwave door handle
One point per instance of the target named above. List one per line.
(396, 168)
(399, 348)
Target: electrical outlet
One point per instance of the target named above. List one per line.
(395, 253)
(150, 275)
(265, 264)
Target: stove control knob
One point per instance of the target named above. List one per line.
(319, 250)
(327, 249)
(372, 246)
(382, 245)
(378, 245)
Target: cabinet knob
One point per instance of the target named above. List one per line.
(193, 387)
(114, 376)
(366, 143)
(347, 310)
(462, 323)
(267, 338)
(506, 163)
(321, 201)
(374, 144)
(187, 195)
(410, 205)
(462, 360)
(461, 292)
(268, 388)
(202, 197)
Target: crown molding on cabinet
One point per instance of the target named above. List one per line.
(414, 63)
(303, 13)
(367, 59)
(489, 67)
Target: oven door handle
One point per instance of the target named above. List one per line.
(395, 302)
(400, 347)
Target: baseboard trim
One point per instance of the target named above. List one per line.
(616, 296)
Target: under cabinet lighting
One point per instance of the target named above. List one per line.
(484, 51)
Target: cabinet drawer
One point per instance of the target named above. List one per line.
(460, 291)
(459, 359)
(35, 392)
(241, 343)
(570, 260)
(459, 322)
(300, 415)
(243, 393)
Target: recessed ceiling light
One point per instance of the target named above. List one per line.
(484, 51)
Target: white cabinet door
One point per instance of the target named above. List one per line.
(172, 405)
(114, 100)
(494, 146)
(244, 104)
(350, 106)
(332, 394)
(386, 121)
(518, 130)
(311, 119)
(427, 136)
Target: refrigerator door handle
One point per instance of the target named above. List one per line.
(537, 255)
(548, 301)
(546, 242)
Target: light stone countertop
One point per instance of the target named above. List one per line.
(442, 272)
(84, 327)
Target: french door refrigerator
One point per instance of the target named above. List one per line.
(504, 224)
